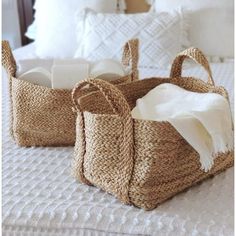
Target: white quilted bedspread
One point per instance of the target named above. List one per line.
(41, 198)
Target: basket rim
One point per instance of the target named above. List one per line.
(47, 89)
(116, 116)
(131, 85)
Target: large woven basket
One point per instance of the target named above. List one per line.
(43, 116)
(141, 162)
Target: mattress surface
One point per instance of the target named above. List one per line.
(41, 198)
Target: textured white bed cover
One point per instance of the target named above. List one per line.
(41, 198)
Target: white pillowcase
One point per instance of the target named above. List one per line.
(56, 24)
(31, 31)
(211, 23)
(161, 36)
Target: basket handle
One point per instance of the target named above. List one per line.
(120, 106)
(112, 94)
(8, 60)
(196, 55)
(131, 56)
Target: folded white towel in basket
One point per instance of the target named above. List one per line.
(26, 65)
(203, 119)
(65, 73)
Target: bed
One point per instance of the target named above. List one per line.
(40, 198)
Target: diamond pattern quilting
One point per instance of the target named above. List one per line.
(161, 36)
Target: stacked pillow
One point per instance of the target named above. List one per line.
(211, 23)
(69, 29)
(65, 29)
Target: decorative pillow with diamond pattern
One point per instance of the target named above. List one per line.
(161, 35)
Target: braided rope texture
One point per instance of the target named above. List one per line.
(9, 64)
(131, 56)
(196, 55)
(8, 60)
(152, 161)
(122, 166)
(42, 116)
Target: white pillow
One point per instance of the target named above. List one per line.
(56, 24)
(161, 36)
(211, 23)
(31, 31)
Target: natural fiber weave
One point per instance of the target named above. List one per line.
(42, 116)
(140, 162)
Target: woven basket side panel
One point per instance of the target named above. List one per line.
(42, 116)
(165, 164)
(103, 162)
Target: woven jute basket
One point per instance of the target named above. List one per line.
(140, 162)
(42, 116)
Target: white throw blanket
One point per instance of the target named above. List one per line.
(203, 119)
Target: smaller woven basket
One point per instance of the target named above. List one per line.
(140, 162)
(43, 116)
